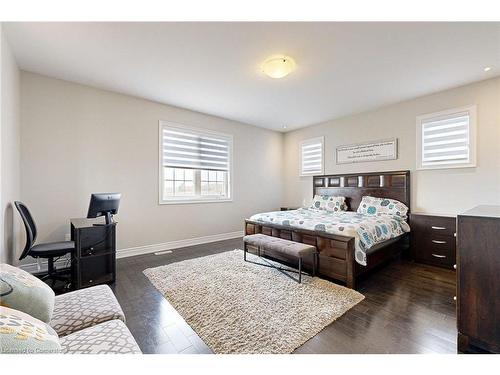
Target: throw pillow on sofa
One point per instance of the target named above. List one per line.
(22, 291)
(20, 333)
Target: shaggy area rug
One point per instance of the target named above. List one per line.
(240, 307)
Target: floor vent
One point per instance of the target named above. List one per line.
(163, 252)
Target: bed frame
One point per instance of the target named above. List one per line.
(336, 253)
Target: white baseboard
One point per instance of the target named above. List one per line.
(147, 249)
(33, 267)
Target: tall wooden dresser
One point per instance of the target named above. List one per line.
(478, 280)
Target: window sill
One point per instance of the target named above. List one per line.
(195, 201)
(450, 166)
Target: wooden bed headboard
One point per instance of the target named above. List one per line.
(353, 186)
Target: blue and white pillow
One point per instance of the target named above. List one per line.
(329, 203)
(382, 206)
(21, 333)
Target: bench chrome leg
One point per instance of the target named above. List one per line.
(300, 270)
(314, 264)
(282, 270)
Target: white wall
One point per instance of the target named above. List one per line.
(10, 154)
(77, 140)
(439, 191)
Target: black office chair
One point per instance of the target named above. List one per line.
(49, 251)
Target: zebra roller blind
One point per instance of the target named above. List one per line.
(193, 149)
(447, 140)
(311, 156)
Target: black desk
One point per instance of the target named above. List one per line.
(94, 259)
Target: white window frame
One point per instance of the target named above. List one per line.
(309, 141)
(472, 110)
(196, 199)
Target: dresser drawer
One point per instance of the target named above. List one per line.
(442, 243)
(445, 259)
(434, 225)
(443, 229)
(438, 250)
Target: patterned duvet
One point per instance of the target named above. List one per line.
(367, 230)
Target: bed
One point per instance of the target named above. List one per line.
(341, 257)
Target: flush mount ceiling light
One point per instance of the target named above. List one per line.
(487, 69)
(278, 66)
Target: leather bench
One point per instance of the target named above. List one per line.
(293, 249)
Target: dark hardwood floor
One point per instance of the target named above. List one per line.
(408, 308)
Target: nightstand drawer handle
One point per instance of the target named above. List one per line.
(438, 228)
(437, 241)
(438, 256)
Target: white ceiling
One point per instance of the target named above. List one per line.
(342, 68)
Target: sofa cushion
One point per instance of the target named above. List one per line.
(84, 308)
(112, 337)
(21, 333)
(24, 292)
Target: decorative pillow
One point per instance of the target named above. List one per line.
(20, 333)
(382, 206)
(329, 203)
(24, 292)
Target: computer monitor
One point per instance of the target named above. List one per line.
(104, 204)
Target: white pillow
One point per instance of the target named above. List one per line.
(329, 203)
(382, 206)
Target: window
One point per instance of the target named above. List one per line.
(447, 139)
(195, 165)
(311, 156)
(213, 183)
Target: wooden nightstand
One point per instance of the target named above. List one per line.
(433, 239)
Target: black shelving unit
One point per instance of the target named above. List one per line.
(94, 259)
